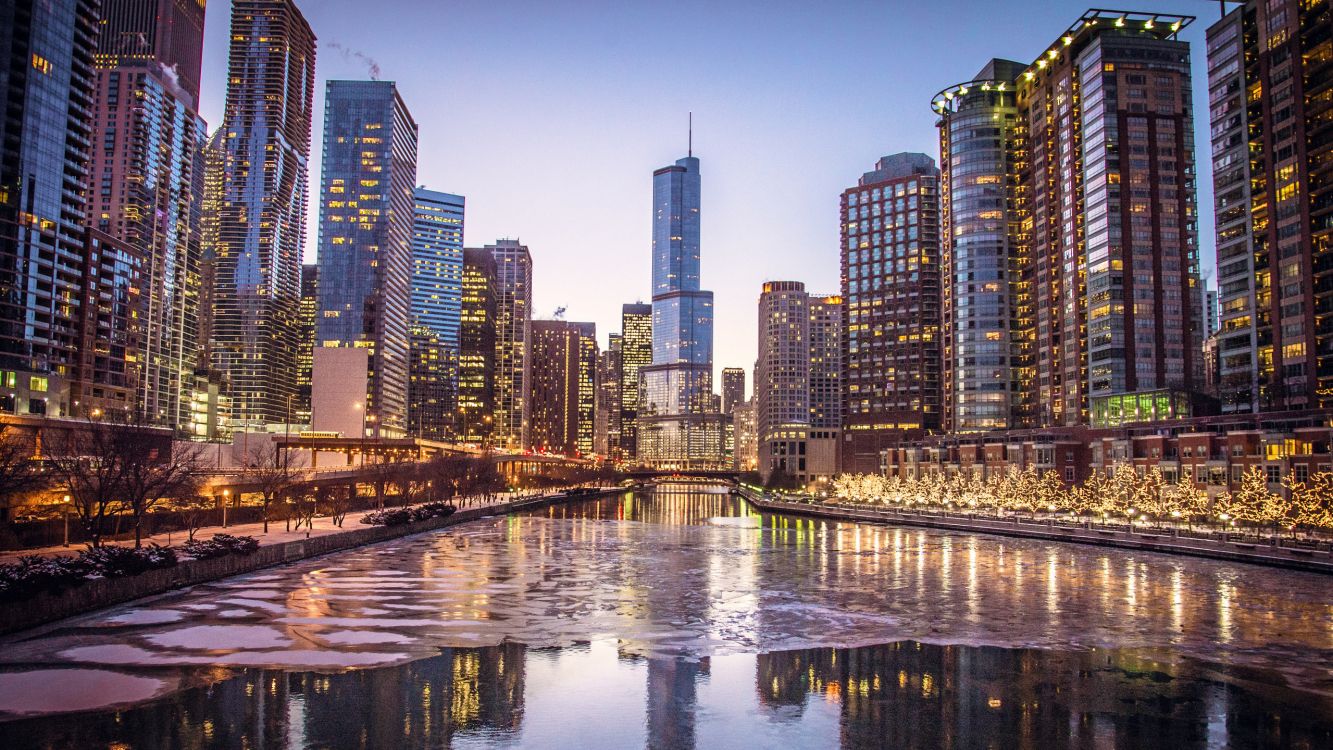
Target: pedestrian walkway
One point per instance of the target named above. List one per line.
(277, 530)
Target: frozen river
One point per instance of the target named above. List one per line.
(680, 619)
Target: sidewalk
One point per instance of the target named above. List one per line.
(277, 533)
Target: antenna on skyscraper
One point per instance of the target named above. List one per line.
(691, 141)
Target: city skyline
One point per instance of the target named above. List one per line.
(616, 134)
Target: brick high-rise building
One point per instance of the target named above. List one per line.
(1270, 64)
(562, 394)
(891, 297)
(148, 163)
(261, 217)
(1074, 293)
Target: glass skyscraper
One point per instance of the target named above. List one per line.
(437, 299)
(365, 238)
(261, 214)
(677, 424)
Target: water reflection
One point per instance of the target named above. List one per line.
(643, 615)
(900, 695)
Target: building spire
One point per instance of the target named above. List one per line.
(690, 149)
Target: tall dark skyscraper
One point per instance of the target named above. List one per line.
(149, 163)
(733, 388)
(1269, 65)
(512, 363)
(261, 217)
(676, 423)
(476, 357)
(891, 294)
(636, 351)
(367, 213)
(437, 292)
(47, 49)
(305, 359)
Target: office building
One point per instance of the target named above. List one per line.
(636, 351)
(148, 164)
(1269, 69)
(365, 239)
(607, 421)
(745, 457)
(261, 217)
(111, 332)
(733, 388)
(308, 313)
(437, 278)
(676, 426)
(513, 323)
(429, 391)
(891, 353)
(476, 359)
(562, 392)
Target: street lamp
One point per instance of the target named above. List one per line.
(226, 500)
(67, 498)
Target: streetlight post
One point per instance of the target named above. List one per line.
(226, 500)
(67, 520)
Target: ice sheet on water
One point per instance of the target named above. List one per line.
(145, 617)
(699, 590)
(46, 691)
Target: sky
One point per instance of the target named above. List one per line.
(550, 117)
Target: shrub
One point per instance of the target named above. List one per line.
(115, 562)
(401, 516)
(33, 574)
(220, 545)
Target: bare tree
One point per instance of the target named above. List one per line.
(20, 474)
(272, 473)
(87, 462)
(192, 509)
(152, 476)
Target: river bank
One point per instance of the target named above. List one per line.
(1165, 541)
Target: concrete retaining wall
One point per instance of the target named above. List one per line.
(106, 592)
(1263, 553)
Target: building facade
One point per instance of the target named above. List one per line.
(891, 353)
(563, 391)
(430, 396)
(148, 170)
(607, 419)
(305, 358)
(45, 139)
(733, 388)
(437, 280)
(675, 422)
(475, 418)
(636, 352)
(261, 216)
(986, 293)
(365, 238)
(1269, 66)
(513, 324)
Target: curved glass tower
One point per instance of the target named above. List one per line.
(985, 300)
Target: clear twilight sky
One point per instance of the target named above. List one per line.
(551, 115)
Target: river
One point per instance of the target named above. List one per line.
(682, 618)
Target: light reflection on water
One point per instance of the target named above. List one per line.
(659, 609)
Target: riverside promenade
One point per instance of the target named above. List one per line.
(1168, 541)
(278, 547)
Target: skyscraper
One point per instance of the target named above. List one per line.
(430, 394)
(1107, 188)
(733, 388)
(636, 351)
(261, 219)
(150, 164)
(1269, 67)
(365, 238)
(987, 289)
(513, 323)
(607, 419)
(797, 388)
(437, 277)
(476, 358)
(305, 358)
(676, 426)
(44, 150)
(562, 393)
(891, 293)
(1074, 295)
